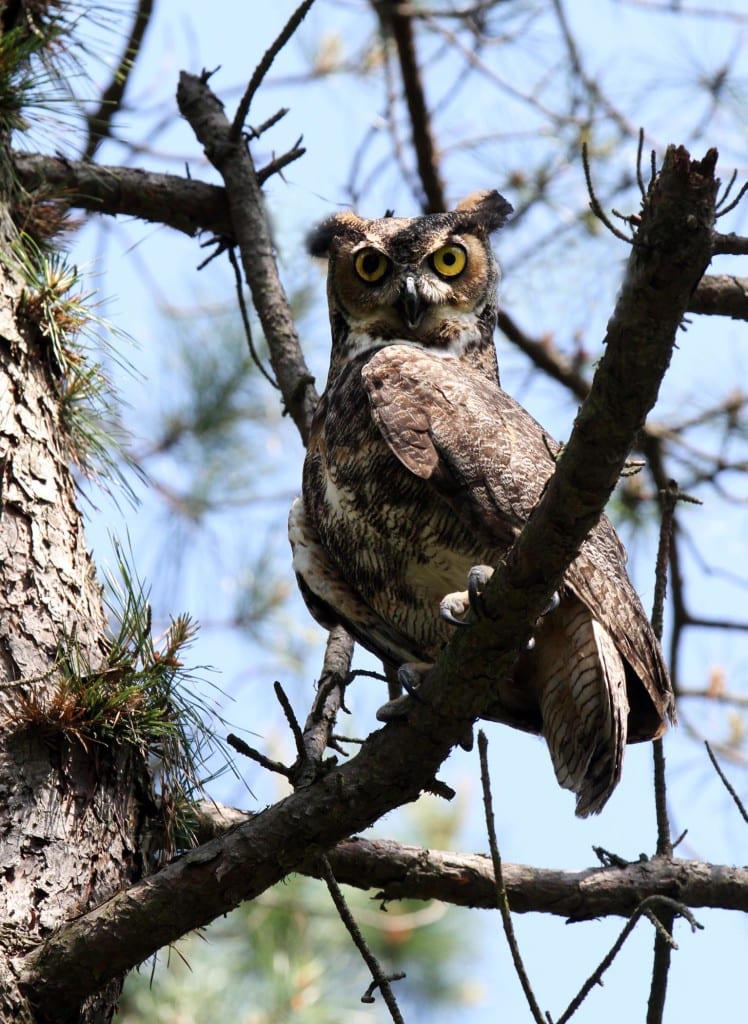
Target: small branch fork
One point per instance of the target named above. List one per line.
(316, 737)
(380, 979)
(310, 746)
(668, 909)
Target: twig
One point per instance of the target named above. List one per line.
(270, 122)
(722, 210)
(644, 909)
(639, 154)
(291, 718)
(595, 202)
(721, 200)
(264, 66)
(662, 945)
(501, 896)
(100, 121)
(738, 802)
(277, 164)
(663, 948)
(670, 497)
(380, 979)
(245, 317)
(244, 748)
(401, 27)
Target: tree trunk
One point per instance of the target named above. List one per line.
(69, 810)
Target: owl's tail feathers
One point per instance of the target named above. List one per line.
(584, 704)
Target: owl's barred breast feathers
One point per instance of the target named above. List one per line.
(419, 466)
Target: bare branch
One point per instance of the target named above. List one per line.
(180, 203)
(264, 66)
(249, 227)
(401, 27)
(100, 121)
(730, 245)
(398, 871)
(645, 908)
(501, 896)
(725, 782)
(380, 979)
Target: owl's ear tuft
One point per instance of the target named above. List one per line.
(486, 211)
(320, 239)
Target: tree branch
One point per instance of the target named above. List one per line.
(399, 871)
(396, 763)
(721, 295)
(180, 203)
(398, 22)
(100, 121)
(250, 230)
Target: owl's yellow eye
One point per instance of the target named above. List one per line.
(371, 265)
(449, 261)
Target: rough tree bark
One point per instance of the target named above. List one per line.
(70, 816)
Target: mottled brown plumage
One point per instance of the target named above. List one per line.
(419, 467)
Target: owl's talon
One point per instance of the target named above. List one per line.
(552, 605)
(478, 578)
(466, 739)
(394, 709)
(453, 606)
(410, 676)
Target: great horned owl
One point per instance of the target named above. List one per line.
(420, 467)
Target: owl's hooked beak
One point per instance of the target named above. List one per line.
(411, 303)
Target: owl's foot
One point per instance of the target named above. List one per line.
(454, 607)
(409, 675)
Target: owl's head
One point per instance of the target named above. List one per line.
(429, 281)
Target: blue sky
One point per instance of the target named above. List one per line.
(149, 273)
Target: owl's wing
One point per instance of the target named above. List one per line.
(490, 460)
(449, 424)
